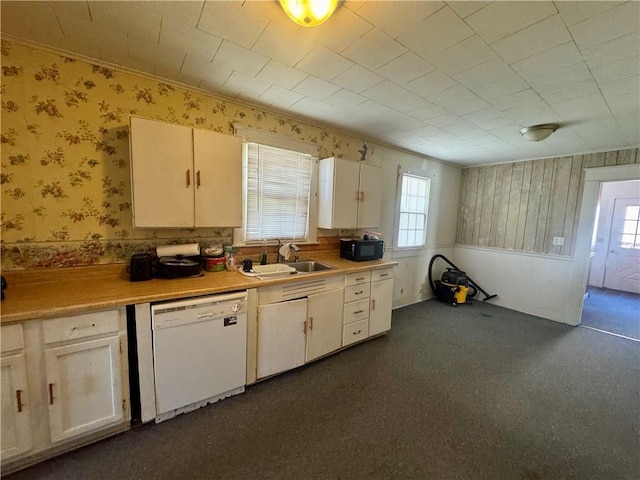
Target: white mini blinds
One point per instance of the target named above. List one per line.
(414, 205)
(278, 184)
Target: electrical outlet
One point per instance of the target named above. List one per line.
(558, 241)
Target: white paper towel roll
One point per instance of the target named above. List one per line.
(186, 249)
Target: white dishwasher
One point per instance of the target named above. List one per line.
(199, 351)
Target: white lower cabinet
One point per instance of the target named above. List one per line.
(294, 330)
(381, 301)
(84, 387)
(16, 410)
(64, 384)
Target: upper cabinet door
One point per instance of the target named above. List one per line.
(370, 196)
(218, 179)
(161, 174)
(339, 194)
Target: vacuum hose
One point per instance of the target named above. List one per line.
(473, 286)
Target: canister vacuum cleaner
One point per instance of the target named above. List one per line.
(455, 287)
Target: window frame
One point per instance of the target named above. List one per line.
(250, 135)
(399, 191)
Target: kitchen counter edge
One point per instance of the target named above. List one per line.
(37, 295)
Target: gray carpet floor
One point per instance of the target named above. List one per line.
(612, 311)
(473, 392)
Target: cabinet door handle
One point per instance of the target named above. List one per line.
(310, 323)
(51, 394)
(198, 179)
(362, 196)
(358, 312)
(304, 328)
(373, 304)
(188, 178)
(19, 400)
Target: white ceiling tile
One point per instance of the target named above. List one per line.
(307, 105)
(344, 98)
(495, 92)
(533, 114)
(210, 73)
(128, 17)
(612, 51)
(427, 110)
(561, 56)
(516, 99)
(619, 70)
(373, 50)
(576, 89)
(151, 52)
(463, 108)
(357, 79)
(392, 95)
(485, 73)
(175, 75)
(430, 83)
(232, 21)
(436, 33)
(281, 74)
(283, 45)
(622, 86)
(444, 120)
(235, 57)
(323, 63)
(464, 9)
(315, 87)
(190, 39)
(280, 97)
(36, 19)
(608, 25)
(85, 36)
(483, 115)
(576, 11)
(564, 77)
(271, 11)
(500, 122)
(341, 30)
(184, 11)
(469, 53)
(394, 21)
(451, 96)
(534, 39)
(75, 8)
(246, 85)
(405, 68)
(500, 19)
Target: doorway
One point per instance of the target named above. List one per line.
(612, 297)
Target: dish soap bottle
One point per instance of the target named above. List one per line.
(263, 257)
(230, 259)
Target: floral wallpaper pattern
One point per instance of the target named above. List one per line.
(66, 193)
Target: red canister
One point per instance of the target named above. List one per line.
(214, 264)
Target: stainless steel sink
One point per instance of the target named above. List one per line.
(308, 266)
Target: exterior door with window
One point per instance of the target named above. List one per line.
(623, 256)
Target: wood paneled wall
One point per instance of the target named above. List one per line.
(522, 206)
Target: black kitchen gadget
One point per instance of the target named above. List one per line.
(141, 267)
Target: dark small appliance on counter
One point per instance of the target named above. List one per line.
(4, 285)
(361, 250)
(141, 267)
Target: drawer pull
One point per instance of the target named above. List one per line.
(19, 400)
(358, 332)
(359, 293)
(51, 394)
(359, 279)
(384, 274)
(373, 304)
(359, 311)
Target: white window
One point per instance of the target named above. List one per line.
(413, 206)
(277, 194)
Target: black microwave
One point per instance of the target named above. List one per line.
(361, 250)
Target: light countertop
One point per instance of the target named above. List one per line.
(43, 294)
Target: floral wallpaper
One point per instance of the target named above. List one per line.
(66, 192)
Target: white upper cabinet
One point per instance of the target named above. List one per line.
(183, 177)
(349, 194)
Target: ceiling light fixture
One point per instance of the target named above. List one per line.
(309, 13)
(536, 133)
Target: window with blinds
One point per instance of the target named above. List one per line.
(278, 185)
(414, 206)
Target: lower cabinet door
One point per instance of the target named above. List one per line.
(83, 387)
(16, 422)
(380, 312)
(281, 336)
(324, 323)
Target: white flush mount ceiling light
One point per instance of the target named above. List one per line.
(536, 133)
(309, 13)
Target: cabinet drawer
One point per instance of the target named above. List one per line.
(385, 274)
(357, 292)
(355, 332)
(12, 338)
(80, 326)
(356, 311)
(357, 278)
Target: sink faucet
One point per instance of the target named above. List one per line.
(287, 247)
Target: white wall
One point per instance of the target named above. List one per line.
(410, 276)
